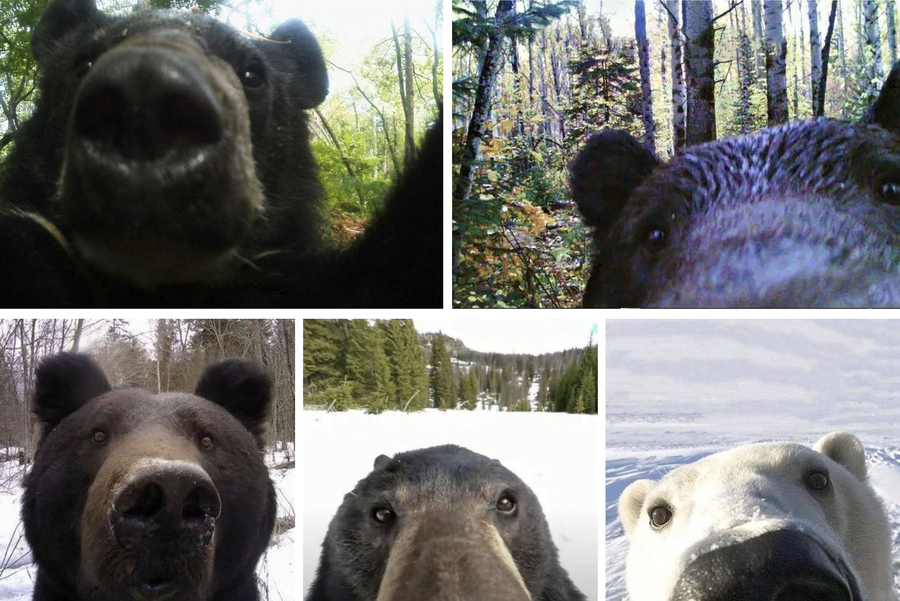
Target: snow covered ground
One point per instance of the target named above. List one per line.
(680, 390)
(276, 570)
(557, 455)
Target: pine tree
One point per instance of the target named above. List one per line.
(358, 358)
(322, 360)
(441, 374)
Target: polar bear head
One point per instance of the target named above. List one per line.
(762, 522)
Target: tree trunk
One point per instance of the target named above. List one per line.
(663, 59)
(676, 39)
(819, 102)
(758, 40)
(815, 52)
(640, 33)
(875, 72)
(776, 60)
(892, 29)
(470, 150)
(699, 69)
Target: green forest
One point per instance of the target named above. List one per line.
(364, 131)
(533, 79)
(380, 365)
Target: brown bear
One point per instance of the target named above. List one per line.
(135, 495)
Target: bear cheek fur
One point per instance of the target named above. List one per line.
(106, 564)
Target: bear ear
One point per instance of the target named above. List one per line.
(381, 462)
(605, 173)
(295, 51)
(59, 18)
(845, 449)
(886, 110)
(241, 387)
(63, 383)
(631, 501)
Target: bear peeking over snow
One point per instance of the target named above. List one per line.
(144, 496)
(771, 521)
(168, 163)
(805, 214)
(442, 524)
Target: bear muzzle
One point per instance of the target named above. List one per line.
(779, 565)
(451, 558)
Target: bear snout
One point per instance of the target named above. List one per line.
(165, 506)
(449, 557)
(158, 183)
(779, 565)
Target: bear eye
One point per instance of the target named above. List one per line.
(99, 436)
(506, 504)
(206, 442)
(252, 75)
(817, 480)
(383, 515)
(82, 67)
(890, 192)
(660, 516)
(654, 239)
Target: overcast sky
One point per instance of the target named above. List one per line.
(530, 336)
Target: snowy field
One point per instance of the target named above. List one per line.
(557, 455)
(276, 569)
(680, 390)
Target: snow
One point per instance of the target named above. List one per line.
(17, 572)
(680, 390)
(556, 454)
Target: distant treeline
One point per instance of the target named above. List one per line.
(387, 364)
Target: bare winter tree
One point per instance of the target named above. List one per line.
(776, 65)
(890, 9)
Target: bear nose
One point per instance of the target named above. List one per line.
(782, 565)
(165, 501)
(142, 103)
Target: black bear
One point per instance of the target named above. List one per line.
(168, 162)
(800, 215)
(441, 524)
(135, 495)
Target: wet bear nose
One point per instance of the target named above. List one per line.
(165, 501)
(783, 565)
(143, 102)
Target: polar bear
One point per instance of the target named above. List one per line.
(761, 522)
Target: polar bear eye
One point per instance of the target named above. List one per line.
(817, 481)
(660, 516)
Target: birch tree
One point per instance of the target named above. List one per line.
(676, 40)
(776, 65)
(872, 46)
(699, 69)
(640, 33)
(815, 51)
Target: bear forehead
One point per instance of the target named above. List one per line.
(750, 461)
(136, 405)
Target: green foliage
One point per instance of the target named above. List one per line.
(441, 374)
(355, 363)
(575, 389)
(360, 196)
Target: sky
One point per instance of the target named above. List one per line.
(522, 335)
(757, 377)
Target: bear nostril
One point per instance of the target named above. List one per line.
(147, 504)
(202, 502)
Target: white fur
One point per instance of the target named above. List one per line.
(754, 489)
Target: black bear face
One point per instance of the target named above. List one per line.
(805, 214)
(170, 160)
(142, 496)
(441, 523)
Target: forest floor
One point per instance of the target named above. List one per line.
(556, 454)
(275, 570)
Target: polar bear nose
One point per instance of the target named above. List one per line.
(783, 565)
